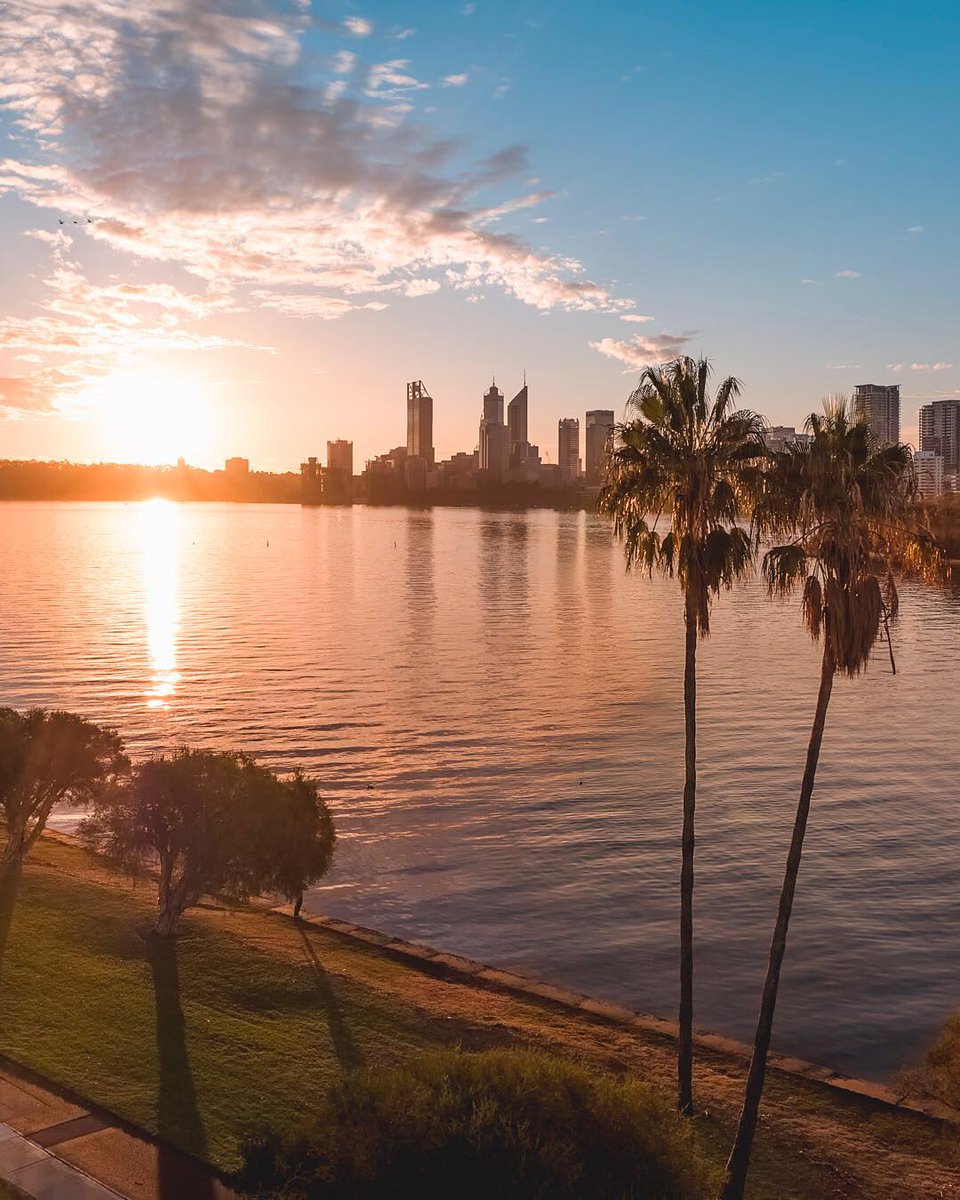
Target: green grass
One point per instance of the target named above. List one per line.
(248, 1019)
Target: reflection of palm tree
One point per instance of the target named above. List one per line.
(689, 459)
(845, 504)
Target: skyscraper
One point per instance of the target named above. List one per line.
(598, 434)
(880, 404)
(568, 449)
(494, 435)
(517, 417)
(419, 422)
(340, 456)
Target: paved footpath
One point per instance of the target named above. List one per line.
(54, 1147)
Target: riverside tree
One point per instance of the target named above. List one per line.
(213, 823)
(846, 508)
(49, 758)
(690, 462)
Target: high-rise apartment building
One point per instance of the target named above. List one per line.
(419, 422)
(940, 432)
(568, 449)
(340, 456)
(599, 433)
(929, 468)
(880, 405)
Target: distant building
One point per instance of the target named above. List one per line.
(420, 423)
(517, 418)
(568, 449)
(494, 435)
(237, 468)
(340, 456)
(929, 468)
(599, 433)
(324, 485)
(776, 437)
(940, 432)
(880, 405)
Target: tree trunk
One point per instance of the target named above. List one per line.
(13, 850)
(168, 919)
(739, 1162)
(685, 1044)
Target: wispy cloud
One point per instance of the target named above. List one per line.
(842, 367)
(848, 274)
(915, 229)
(937, 366)
(358, 26)
(455, 80)
(635, 317)
(643, 351)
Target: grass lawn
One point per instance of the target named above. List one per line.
(248, 1017)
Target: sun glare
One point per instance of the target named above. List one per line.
(160, 542)
(153, 418)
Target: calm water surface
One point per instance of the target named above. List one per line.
(494, 709)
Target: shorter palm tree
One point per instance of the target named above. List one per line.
(846, 506)
(691, 461)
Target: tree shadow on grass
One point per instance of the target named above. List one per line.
(10, 876)
(178, 1116)
(347, 1052)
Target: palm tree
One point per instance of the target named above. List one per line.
(844, 503)
(690, 460)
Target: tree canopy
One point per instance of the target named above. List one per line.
(214, 823)
(48, 758)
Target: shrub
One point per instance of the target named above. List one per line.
(497, 1124)
(939, 1073)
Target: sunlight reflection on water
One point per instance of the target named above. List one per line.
(494, 710)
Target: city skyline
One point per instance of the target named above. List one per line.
(155, 298)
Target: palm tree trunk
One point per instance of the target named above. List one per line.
(685, 1043)
(738, 1164)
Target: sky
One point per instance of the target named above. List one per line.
(239, 227)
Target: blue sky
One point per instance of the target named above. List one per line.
(299, 208)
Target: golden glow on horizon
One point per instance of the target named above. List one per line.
(152, 418)
(160, 547)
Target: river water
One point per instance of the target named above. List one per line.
(493, 707)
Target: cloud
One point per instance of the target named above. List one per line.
(636, 317)
(344, 62)
(192, 131)
(358, 26)
(848, 274)
(455, 80)
(808, 281)
(842, 367)
(894, 366)
(642, 351)
(468, 10)
(914, 229)
(85, 331)
(937, 366)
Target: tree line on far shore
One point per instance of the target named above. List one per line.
(207, 822)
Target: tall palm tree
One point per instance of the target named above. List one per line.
(689, 461)
(844, 505)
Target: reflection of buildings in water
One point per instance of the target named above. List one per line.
(504, 585)
(160, 550)
(420, 580)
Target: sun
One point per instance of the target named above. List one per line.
(152, 418)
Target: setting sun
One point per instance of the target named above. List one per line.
(153, 418)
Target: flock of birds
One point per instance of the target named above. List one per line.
(88, 221)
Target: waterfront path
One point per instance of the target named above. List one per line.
(55, 1147)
